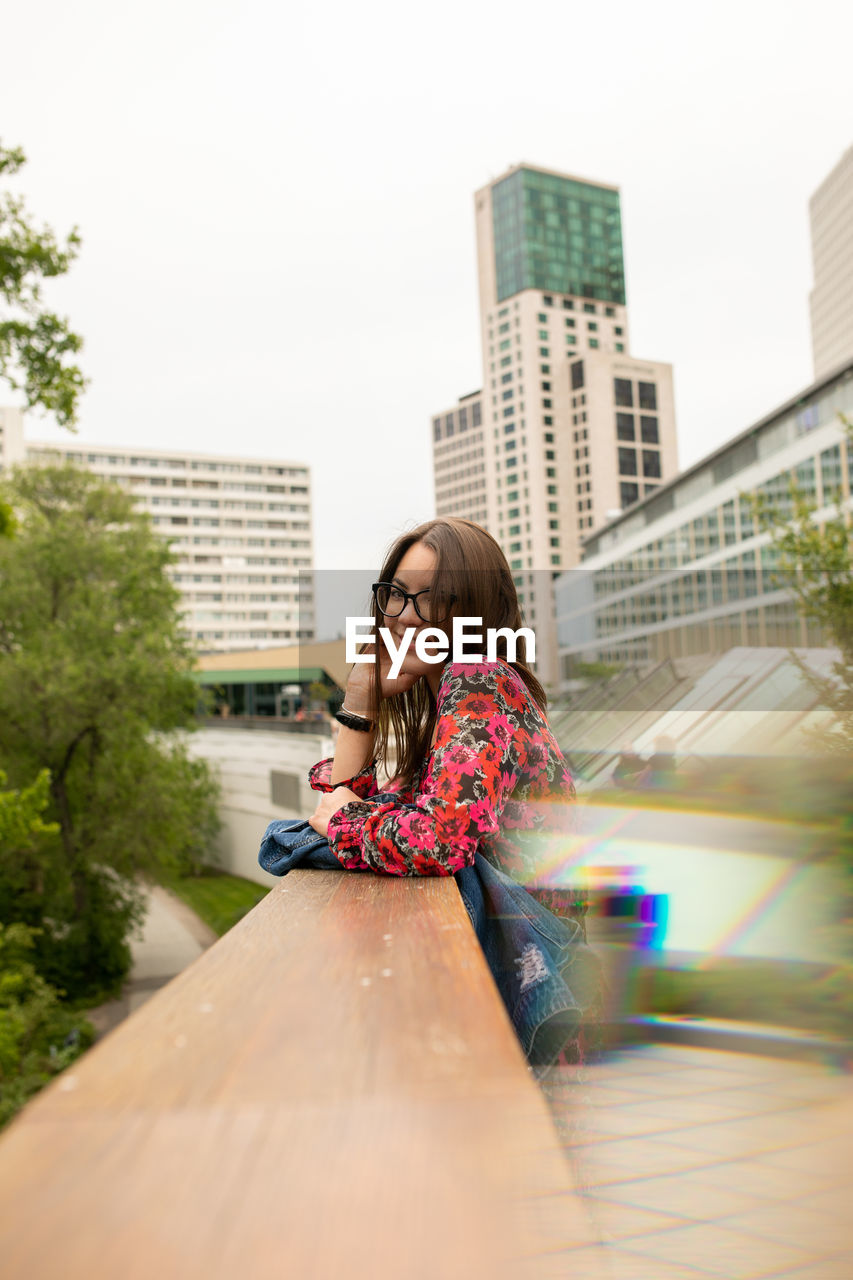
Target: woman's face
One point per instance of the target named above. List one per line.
(415, 573)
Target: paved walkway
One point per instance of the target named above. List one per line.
(172, 937)
(700, 1163)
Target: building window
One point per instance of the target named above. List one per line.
(546, 386)
(548, 420)
(544, 352)
(648, 395)
(577, 376)
(542, 317)
(570, 324)
(545, 368)
(617, 330)
(589, 308)
(543, 335)
(625, 426)
(568, 304)
(610, 311)
(620, 346)
(592, 326)
(627, 462)
(593, 342)
(649, 430)
(436, 429)
(623, 392)
(651, 464)
(628, 493)
(571, 339)
(552, 490)
(475, 414)
(506, 377)
(546, 404)
(547, 300)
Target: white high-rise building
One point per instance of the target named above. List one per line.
(571, 428)
(831, 299)
(239, 527)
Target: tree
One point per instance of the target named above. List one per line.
(39, 1036)
(815, 562)
(36, 345)
(95, 688)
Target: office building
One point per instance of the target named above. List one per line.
(831, 299)
(570, 426)
(240, 529)
(687, 571)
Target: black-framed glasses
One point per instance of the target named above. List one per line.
(392, 600)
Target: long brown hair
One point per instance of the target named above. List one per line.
(472, 569)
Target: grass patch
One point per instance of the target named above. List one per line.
(219, 899)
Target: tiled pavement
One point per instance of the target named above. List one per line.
(701, 1163)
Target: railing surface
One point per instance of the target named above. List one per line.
(333, 1089)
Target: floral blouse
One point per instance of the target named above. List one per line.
(495, 783)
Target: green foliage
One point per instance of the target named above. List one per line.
(36, 345)
(95, 689)
(816, 564)
(39, 1036)
(21, 823)
(219, 899)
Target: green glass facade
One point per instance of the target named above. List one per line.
(557, 235)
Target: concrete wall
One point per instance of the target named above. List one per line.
(245, 760)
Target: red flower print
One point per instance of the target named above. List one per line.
(419, 832)
(483, 816)
(477, 706)
(452, 825)
(501, 732)
(461, 759)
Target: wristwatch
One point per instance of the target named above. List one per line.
(351, 721)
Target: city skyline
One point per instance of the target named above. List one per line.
(278, 235)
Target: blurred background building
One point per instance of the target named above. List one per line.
(239, 527)
(831, 216)
(686, 571)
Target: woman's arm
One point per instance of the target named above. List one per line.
(473, 771)
(353, 751)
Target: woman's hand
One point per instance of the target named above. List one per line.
(327, 805)
(359, 685)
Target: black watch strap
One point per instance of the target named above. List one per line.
(350, 721)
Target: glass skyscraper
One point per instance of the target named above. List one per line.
(557, 234)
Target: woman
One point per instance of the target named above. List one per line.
(477, 769)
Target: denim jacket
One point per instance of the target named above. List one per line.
(543, 969)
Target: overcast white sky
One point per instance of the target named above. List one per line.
(277, 214)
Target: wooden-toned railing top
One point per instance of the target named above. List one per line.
(333, 1089)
